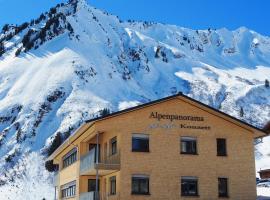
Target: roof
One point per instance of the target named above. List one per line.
(89, 123)
(264, 170)
(171, 97)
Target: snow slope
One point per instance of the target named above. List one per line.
(64, 67)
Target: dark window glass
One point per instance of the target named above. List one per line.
(189, 186)
(140, 143)
(221, 147)
(113, 146)
(68, 190)
(222, 187)
(188, 145)
(113, 185)
(70, 158)
(140, 185)
(92, 185)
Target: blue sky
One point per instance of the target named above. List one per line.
(195, 14)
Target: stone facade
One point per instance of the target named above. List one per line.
(164, 164)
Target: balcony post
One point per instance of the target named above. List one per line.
(97, 176)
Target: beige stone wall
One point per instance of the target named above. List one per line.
(68, 175)
(164, 163)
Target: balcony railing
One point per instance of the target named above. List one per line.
(89, 196)
(97, 196)
(88, 163)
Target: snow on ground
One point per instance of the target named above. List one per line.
(106, 63)
(34, 182)
(263, 158)
(263, 192)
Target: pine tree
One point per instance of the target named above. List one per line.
(241, 112)
(2, 48)
(267, 83)
(104, 112)
(57, 141)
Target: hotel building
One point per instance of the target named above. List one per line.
(173, 148)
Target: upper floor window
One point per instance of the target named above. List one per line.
(222, 187)
(113, 143)
(140, 143)
(70, 158)
(188, 145)
(221, 147)
(189, 186)
(113, 185)
(68, 190)
(140, 184)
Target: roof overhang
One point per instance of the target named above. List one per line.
(258, 133)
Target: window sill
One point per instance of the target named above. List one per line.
(190, 196)
(146, 194)
(224, 155)
(134, 151)
(224, 196)
(184, 153)
(69, 197)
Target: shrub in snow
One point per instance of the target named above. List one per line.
(266, 83)
(18, 52)
(50, 166)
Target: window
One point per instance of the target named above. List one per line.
(189, 186)
(188, 145)
(113, 146)
(140, 143)
(221, 147)
(113, 185)
(68, 190)
(92, 185)
(70, 158)
(222, 187)
(140, 185)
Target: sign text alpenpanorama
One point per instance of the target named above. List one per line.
(173, 117)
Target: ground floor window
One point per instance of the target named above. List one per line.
(92, 185)
(189, 186)
(140, 184)
(68, 190)
(222, 187)
(113, 185)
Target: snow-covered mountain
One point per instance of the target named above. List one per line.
(64, 67)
